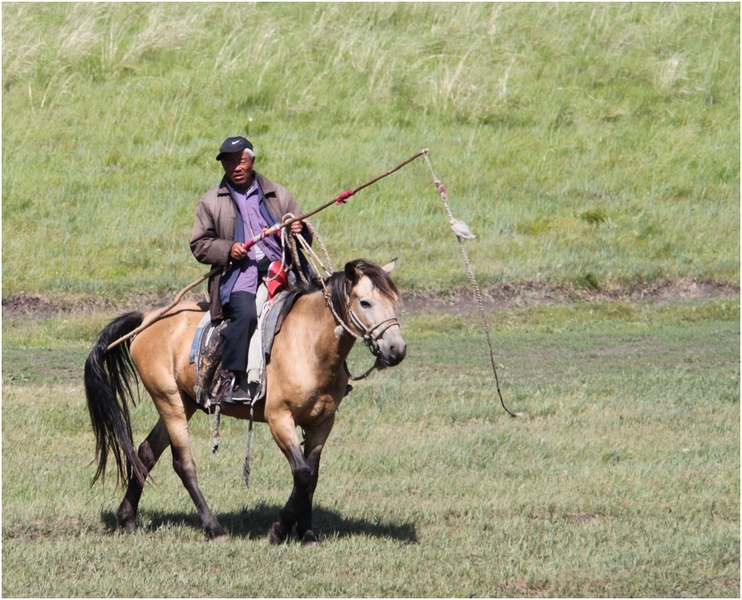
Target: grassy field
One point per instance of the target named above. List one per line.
(622, 479)
(581, 143)
(589, 146)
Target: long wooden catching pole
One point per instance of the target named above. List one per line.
(341, 198)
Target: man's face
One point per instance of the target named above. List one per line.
(238, 167)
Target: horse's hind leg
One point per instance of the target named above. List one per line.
(176, 419)
(149, 452)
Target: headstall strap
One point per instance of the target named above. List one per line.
(369, 337)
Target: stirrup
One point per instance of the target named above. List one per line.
(236, 394)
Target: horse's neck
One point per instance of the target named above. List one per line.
(331, 342)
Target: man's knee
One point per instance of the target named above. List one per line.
(241, 309)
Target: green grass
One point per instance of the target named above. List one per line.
(580, 142)
(586, 145)
(622, 479)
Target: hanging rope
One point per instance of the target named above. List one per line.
(462, 232)
(290, 242)
(459, 229)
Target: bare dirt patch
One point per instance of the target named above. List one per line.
(525, 294)
(23, 305)
(37, 306)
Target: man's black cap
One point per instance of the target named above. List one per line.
(234, 144)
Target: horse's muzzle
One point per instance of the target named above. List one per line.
(392, 352)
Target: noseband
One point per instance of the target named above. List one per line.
(372, 335)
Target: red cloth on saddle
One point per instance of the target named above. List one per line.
(276, 279)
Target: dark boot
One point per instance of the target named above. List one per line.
(239, 388)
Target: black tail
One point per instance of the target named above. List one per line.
(108, 388)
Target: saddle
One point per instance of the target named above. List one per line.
(213, 384)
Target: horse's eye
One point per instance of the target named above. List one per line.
(365, 304)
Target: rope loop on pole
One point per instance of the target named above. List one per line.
(461, 231)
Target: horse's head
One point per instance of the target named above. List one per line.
(372, 309)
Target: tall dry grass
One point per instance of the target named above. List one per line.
(582, 143)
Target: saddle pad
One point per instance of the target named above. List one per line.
(206, 319)
(271, 320)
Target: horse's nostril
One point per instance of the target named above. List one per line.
(398, 353)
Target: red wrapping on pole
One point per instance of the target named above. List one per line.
(343, 197)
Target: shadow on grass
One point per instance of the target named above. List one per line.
(254, 523)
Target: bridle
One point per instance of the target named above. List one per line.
(370, 335)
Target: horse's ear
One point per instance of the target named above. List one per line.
(389, 267)
(351, 273)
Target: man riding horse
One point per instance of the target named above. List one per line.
(306, 377)
(227, 216)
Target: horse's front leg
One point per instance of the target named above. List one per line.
(304, 470)
(314, 442)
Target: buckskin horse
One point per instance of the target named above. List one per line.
(305, 382)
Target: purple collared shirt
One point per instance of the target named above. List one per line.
(253, 223)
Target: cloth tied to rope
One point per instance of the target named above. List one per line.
(462, 232)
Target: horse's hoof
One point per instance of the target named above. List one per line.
(128, 527)
(277, 534)
(217, 534)
(126, 520)
(309, 540)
